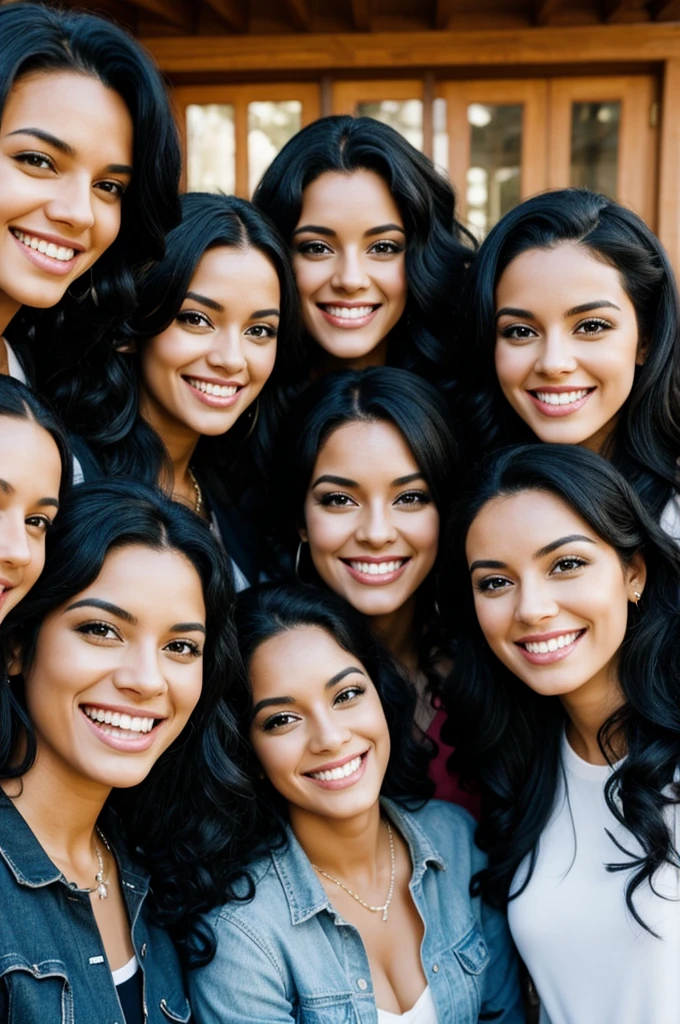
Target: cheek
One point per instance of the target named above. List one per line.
(108, 227)
(326, 533)
(308, 276)
(261, 364)
(512, 365)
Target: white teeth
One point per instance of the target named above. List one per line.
(114, 723)
(56, 252)
(377, 568)
(561, 397)
(554, 644)
(349, 312)
(218, 390)
(338, 773)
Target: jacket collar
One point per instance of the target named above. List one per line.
(29, 863)
(306, 896)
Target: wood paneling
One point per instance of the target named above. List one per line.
(669, 176)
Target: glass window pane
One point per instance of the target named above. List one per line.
(406, 116)
(494, 176)
(270, 126)
(595, 146)
(441, 135)
(211, 163)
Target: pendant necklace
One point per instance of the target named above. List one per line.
(386, 905)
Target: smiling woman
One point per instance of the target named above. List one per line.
(183, 399)
(358, 905)
(120, 661)
(89, 169)
(563, 702)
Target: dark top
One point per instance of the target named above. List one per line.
(131, 995)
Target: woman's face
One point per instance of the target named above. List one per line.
(211, 363)
(30, 475)
(348, 257)
(318, 728)
(551, 596)
(567, 343)
(372, 527)
(118, 669)
(66, 153)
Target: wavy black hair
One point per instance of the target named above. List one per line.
(37, 39)
(101, 401)
(508, 737)
(19, 402)
(645, 443)
(185, 814)
(267, 611)
(378, 394)
(438, 248)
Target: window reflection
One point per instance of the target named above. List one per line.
(211, 148)
(595, 146)
(405, 116)
(270, 126)
(494, 176)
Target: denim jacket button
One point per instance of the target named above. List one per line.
(362, 984)
(435, 968)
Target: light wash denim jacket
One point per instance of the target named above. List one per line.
(289, 956)
(53, 968)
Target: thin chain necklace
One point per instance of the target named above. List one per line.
(199, 493)
(386, 905)
(102, 886)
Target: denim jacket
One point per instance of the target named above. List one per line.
(53, 968)
(289, 956)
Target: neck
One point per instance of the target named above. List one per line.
(8, 307)
(395, 632)
(345, 847)
(180, 444)
(588, 708)
(330, 364)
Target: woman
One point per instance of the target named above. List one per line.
(120, 661)
(35, 471)
(364, 484)
(574, 337)
(378, 254)
(89, 169)
(177, 401)
(357, 906)
(564, 703)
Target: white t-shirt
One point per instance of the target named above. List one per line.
(423, 1011)
(670, 518)
(589, 959)
(16, 370)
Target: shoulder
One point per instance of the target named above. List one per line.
(267, 906)
(450, 830)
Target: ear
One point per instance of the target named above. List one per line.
(302, 533)
(641, 355)
(127, 347)
(636, 577)
(15, 661)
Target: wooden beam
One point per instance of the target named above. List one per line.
(543, 9)
(234, 13)
(300, 14)
(178, 12)
(611, 10)
(588, 44)
(361, 15)
(442, 13)
(660, 8)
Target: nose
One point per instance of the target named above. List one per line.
(72, 202)
(375, 526)
(14, 546)
(328, 734)
(555, 356)
(140, 673)
(349, 273)
(534, 602)
(227, 351)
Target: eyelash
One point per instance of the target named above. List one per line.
(284, 718)
(332, 500)
(602, 325)
(89, 629)
(575, 562)
(194, 651)
(512, 331)
(267, 332)
(32, 158)
(41, 522)
(317, 248)
(186, 316)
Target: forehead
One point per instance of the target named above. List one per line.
(512, 527)
(298, 662)
(29, 457)
(554, 274)
(362, 196)
(229, 274)
(373, 451)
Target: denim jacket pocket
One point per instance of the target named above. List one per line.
(472, 952)
(330, 1009)
(180, 1011)
(35, 992)
(463, 966)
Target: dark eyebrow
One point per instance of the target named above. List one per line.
(510, 311)
(65, 147)
(7, 488)
(187, 627)
(105, 606)
(48, 501)
(555, 544)
(264, 312)
(273, 701)
(487, 564)
(588, 307)
(314, 229)
(382, 229)
(205, 301)
(341, 481)
(401, 480)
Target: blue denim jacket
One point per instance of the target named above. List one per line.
(289, 956)
(53, 968)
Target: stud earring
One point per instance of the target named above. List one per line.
(637, 595)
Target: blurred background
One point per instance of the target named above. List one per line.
(508, 97)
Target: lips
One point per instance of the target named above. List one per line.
(50, 256)
(217, 394)
(547, 648)
(348, 317)
(376, 571)
(552, 401)
(340, 774)
(121, 730)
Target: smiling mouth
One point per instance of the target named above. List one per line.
(341, 773)
(56, 252)
(559, 403)
(115, 723)
(555, 643)
(375, 573)
(216, 390)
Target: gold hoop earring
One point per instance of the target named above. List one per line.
(298, 555)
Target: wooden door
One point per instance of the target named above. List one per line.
(397, 102)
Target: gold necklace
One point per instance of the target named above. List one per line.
(199, 493)
(386, 905)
